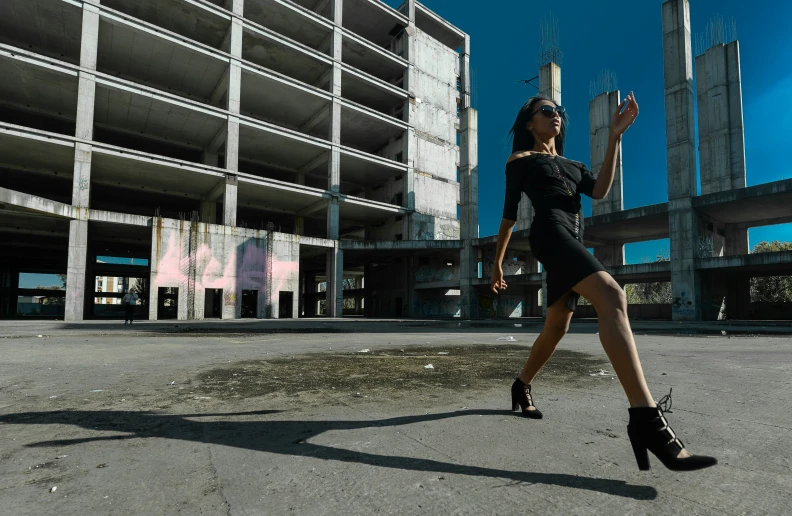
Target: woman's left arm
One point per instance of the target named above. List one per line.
(620, 122)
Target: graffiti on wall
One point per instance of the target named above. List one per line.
(683, 305)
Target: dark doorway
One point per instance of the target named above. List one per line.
(249, 304)
(167, 303)
(398, 307)
(285, 302)
(213, 303)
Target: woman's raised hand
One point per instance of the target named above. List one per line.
(621, 121)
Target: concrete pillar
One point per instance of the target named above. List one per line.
(334, 302)
(550, 81)
(233, 96)
(230, 200)
(686, 303)
(76, 280)
(721, 129)
(720, 117)
(601, 109)
(468, 174)
(678, 74)
(334, 161)
(410, 138)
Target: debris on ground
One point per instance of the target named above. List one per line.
(507, 339)
(443, 353)
(429, 366)
(364, 350)
(602, 372)
(53, 489)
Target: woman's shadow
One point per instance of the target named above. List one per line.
(292, 438)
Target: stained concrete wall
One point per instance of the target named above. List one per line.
(195, 256)
(436, 191)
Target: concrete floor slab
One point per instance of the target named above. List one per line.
(144, 55)
(373, 20)
(289, 19)
(281, 55)
(286, 103)
(140, 112)
(49, 27)
(193, 20)
(43, 89)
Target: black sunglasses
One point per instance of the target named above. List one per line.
(548, 111)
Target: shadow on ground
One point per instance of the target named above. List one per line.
(289, 437)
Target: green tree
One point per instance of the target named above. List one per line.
(771, 289)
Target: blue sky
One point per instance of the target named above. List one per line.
(627, 39)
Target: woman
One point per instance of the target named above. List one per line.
(554, 184)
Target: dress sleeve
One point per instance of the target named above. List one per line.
(587, 181)
(513, 194)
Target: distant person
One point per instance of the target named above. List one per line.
(130, 302)
(554, 183)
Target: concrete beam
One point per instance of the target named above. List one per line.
(316, 119)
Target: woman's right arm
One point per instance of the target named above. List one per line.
(510, 207)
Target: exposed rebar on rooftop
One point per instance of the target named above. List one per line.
(549, 37)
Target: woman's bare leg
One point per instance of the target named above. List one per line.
(556, 326)
(616, 335)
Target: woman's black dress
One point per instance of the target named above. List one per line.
(554, 184)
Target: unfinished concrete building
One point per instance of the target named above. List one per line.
(231, 158)
(284, 158)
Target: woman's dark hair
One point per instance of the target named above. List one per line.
(522, 139)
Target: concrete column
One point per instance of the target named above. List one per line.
(230, 200)
(334, 161)
(410, 139)
(721, 129)
(550, 81)
(601, 109)
(686, 302)
(736, 240)
(685, 280)
(76, 280)
(678, 73)
(468, 174)
(233, 96)
(720, 117)
(334, 302)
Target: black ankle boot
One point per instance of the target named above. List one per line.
(649, 431)
(522, 399)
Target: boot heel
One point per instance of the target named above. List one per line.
(641, 454)
(515, 406)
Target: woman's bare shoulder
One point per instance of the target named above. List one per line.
(518, 155)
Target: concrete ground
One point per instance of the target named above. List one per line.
(255, 418)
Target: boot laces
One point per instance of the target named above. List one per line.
(665, 402)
